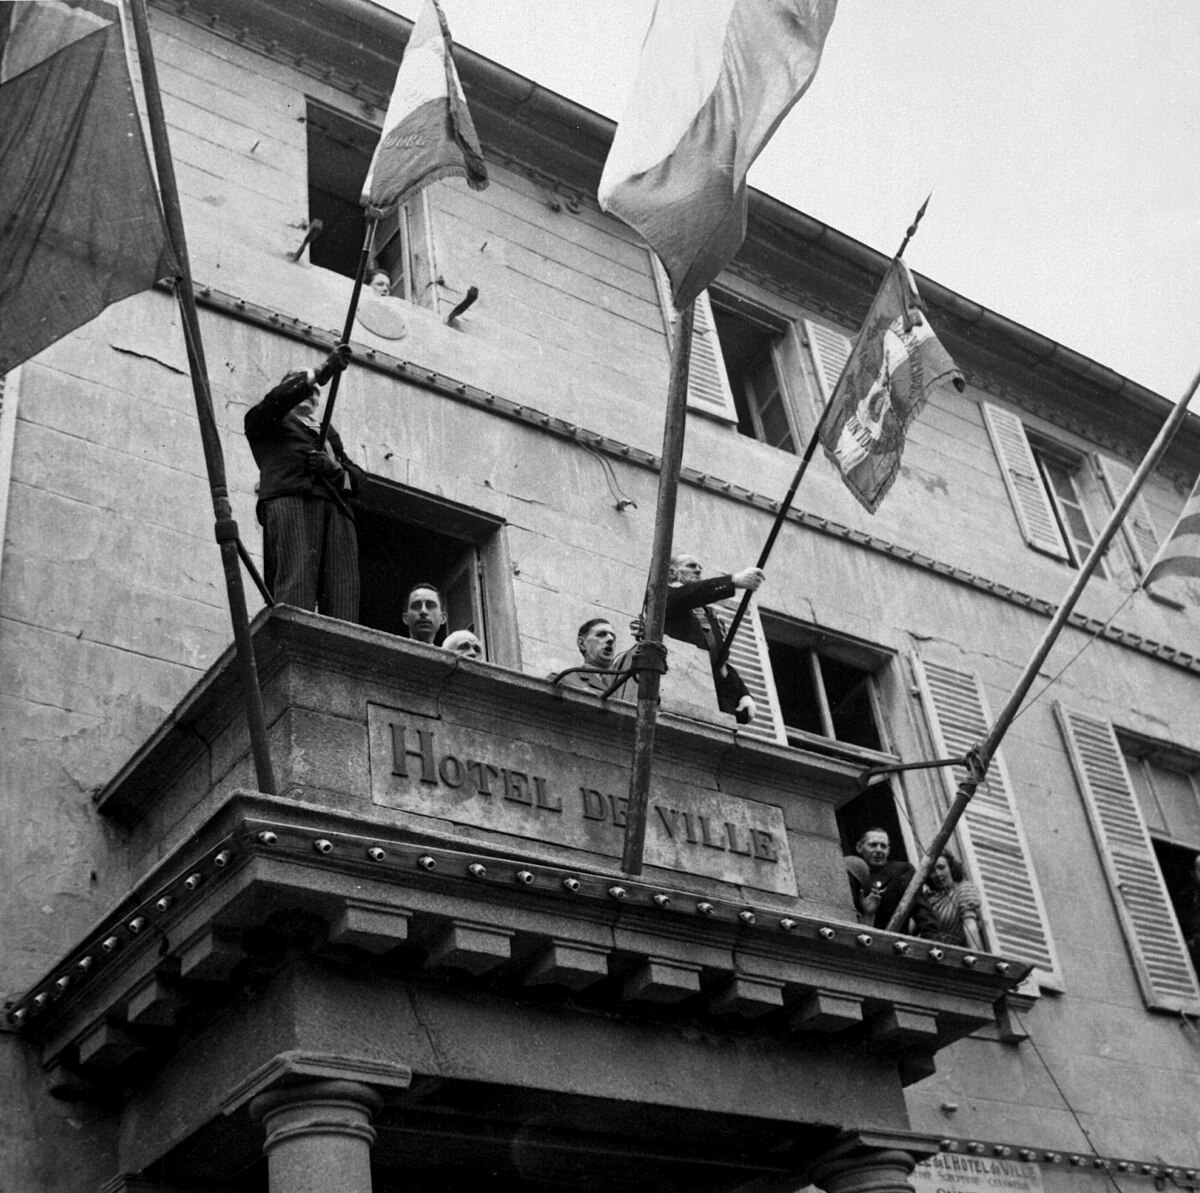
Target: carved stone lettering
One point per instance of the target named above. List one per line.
(472, 776)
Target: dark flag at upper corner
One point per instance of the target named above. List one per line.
(427, 132)
(80, 224)
(895, 363)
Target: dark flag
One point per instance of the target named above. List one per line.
(80, 224)
(895, 363)
(427, 132)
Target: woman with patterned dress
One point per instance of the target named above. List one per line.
(955, 903)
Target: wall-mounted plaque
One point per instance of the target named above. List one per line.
(469, 775)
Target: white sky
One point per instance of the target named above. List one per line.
(1060, 138)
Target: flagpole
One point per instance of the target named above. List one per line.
(363, 258)
(649, 681)
(226, 529)
(781, 515)
(980, 756)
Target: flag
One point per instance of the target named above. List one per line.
(1180, 554)
(716, 79)
(80, 225)
(427, 132)
(895, 363)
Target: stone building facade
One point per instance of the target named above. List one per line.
(417, 963)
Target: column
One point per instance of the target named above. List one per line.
(853, 1166)
(319, 1136)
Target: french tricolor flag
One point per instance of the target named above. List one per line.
(427, 132)
(716, 79)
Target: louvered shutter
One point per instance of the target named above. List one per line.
(1143, 906)
(748, 654)
(997, 854)
(1138, 527)
(708, 384)
(1035, 515)
(830, 350)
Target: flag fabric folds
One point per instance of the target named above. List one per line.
(895, 364)
(1180, 554)
(427, 132)
(716, 79)
(80, 224)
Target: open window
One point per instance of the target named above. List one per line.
(406, 537)
(339, 153)
(1138, 795)
(750, 350)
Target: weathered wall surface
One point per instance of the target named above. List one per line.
(112, 602)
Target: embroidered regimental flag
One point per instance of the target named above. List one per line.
(1180, 554)
(895, 363)
(427, 132)
(80, 224)
(716, 79)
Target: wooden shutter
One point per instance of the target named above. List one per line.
(749, 656)
(464, 598)
(829, 350)
(1143, 906)
(708, 383)
(996, 851)
(1138, 527)
(1030, 500)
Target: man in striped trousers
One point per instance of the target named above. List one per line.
(310, 547)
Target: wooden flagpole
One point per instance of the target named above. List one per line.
(674, 426)
(348, 329)
(226, 528)
(786, 503)
(980, 756)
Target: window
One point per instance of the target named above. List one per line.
(748, 350)
(746, 356)
(817, 691)
(405, 537)
(1054, 491)
(339, 153)
(1061, 477)
(1130, 789)
(1167, 785)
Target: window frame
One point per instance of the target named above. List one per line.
(485, 556)
(1164, 970)
(414, 221)
(1048, 454)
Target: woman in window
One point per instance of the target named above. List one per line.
(955, 903)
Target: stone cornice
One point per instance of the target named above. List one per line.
(196, 928)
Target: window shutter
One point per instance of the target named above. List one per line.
(1025, 489)
(748, 654)
(1159, 956)
(1138, 527)
(708, 384)
(997, 854)
(830, 350)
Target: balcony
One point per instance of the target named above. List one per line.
(433, 906)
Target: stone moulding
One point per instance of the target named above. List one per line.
(208, 921)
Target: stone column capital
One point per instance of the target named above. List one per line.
(860, 1165)
(318, 1135)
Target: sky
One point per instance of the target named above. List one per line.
(1060, 140)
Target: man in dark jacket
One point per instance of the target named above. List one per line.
(878, 892)
(691, 620)
(310, 548)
